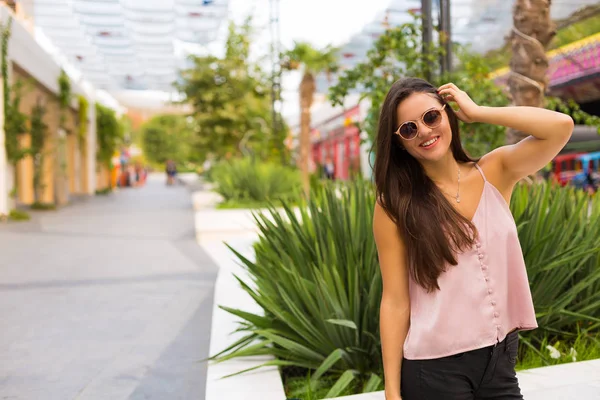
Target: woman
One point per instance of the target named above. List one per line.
(455, 288)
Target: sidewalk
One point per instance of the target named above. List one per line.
(110, 298)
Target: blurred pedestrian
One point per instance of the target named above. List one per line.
(171, 171)
(329, 169)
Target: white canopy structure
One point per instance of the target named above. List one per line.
(127, 44)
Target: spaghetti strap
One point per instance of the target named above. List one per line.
(481, 172)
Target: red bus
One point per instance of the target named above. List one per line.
(565, 167)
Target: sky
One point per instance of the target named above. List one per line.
(319, 22)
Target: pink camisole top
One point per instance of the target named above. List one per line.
(483, 298)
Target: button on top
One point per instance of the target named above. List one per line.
(496, 315)
(487, 279)
(478, 245)
(480, 256)
(493, 302)
(490, 291)
(483, 267)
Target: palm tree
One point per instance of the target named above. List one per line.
(532, 31)
(311, 61)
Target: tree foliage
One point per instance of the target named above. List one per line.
(573, 109)
(396, 54)
(579, 30)
(168, 137)
(230, 97)
(310, 59)
(472, 76)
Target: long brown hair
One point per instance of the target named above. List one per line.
(432, 230)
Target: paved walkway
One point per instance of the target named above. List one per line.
(110, 298)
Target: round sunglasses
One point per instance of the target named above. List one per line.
(431, 118)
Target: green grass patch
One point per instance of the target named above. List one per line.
(43, 206)
(300, 388)
(298, 384)
(103, 192)
(233, 204)
(249, 204)
(554, 352)
(18, 215)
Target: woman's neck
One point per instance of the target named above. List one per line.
(444, 171)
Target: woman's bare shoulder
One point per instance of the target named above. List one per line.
(491, 165)
(385, 228)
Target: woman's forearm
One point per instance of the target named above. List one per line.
(538, 122)
(394, 322)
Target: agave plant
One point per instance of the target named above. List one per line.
(560, 236)
(317, 279)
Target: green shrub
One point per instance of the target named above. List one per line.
(246, 180)
(43, 206)
(560, 237)
(18, 215)
(316, 278)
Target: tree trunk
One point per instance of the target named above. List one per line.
(533, 29)
(307, 91)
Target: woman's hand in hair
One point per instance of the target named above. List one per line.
(468, 109)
